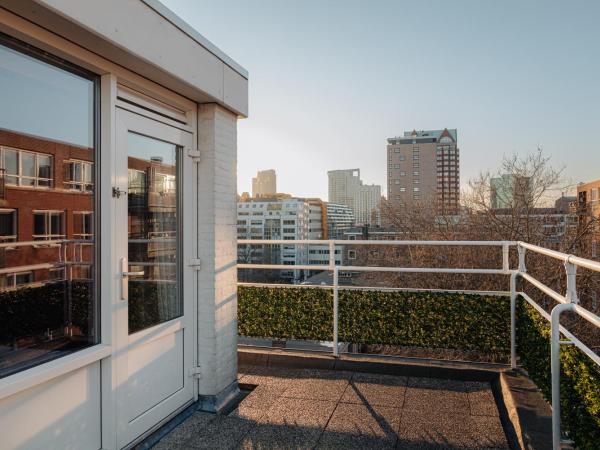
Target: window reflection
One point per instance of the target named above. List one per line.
(47, 247)
(153, 220)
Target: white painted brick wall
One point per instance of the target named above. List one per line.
(217, 300)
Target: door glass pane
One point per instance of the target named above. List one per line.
(152, 228)
(48, 296)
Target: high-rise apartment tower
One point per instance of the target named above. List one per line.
(424, 166)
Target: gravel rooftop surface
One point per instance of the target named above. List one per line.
(320, 409)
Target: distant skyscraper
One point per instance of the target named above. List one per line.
(424, 165)
(346, 188)
(510, 191)
(265, 183)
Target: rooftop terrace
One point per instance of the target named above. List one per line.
(326, 409)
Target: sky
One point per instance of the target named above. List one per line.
(331, 80)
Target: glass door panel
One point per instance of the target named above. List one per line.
(153, 222)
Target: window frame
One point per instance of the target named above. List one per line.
(95, 346)
(13, 237)
(19, 175)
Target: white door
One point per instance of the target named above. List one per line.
(154, 320)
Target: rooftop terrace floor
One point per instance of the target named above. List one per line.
(321, 409)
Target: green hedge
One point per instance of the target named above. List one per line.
(429, 320)
(580, 377)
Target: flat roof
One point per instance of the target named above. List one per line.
(177, 21)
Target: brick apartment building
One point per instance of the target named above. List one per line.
(588, 208)
(46, 196)
(424, 166)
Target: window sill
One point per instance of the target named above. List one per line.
(29, 378)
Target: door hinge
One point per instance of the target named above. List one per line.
(194, 263)
(195, 372)
(194, 154)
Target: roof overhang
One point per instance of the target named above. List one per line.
(148, 39)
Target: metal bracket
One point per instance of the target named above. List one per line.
(194, 154)
(195, 372)
(194, 263)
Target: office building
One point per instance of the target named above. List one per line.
(510, 191)
(283, 219)
(264, 183)
(346, 188)
(424, 166)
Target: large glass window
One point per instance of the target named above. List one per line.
(48, 300)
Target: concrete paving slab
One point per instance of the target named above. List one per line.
(361, 427)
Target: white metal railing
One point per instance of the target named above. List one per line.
(567, 302)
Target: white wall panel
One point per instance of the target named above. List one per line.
(61, 414)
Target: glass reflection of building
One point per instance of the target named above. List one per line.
(45, 198)
(48, 301)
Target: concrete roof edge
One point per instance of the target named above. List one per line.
(186, 28)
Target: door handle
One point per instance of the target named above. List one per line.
(125, 274)
(133, 274)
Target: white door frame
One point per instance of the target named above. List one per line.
(128, 432)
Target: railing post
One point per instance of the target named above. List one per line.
(513, 320)
(571, 270)
(521, 253)
(555, 370)
(505, 260)
(331, 254)
(336, 351)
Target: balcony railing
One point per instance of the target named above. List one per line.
(566, 302)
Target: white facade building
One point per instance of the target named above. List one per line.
(346, 188)
(116, 107)
(286, 219)
(339, 218)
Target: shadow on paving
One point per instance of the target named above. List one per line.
(321, 409)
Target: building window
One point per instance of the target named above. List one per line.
(8, 225)
(78, 175)
(83, 223)
(15, 280)
(402, 189)
(25, 168)
(402, 158)
(351, 254)
(47, 225)
(402, 174)
(56, 274)
(396, 181)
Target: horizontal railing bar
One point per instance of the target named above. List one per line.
(282, 267)
(30, 267)
(419, 270)
(373, 269)
(542, 287)
(325, 242)
(580, 345)
(578, 261)
(40, 243)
